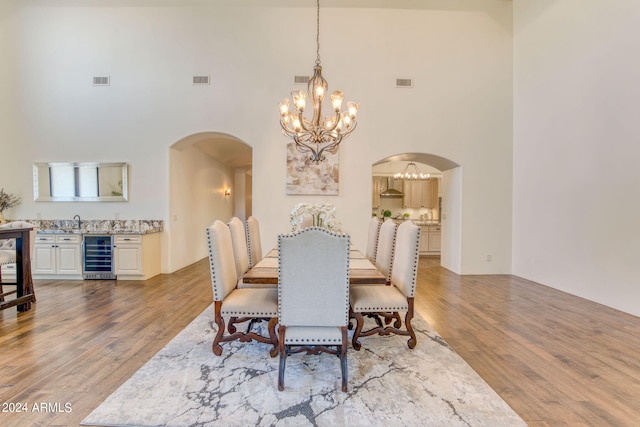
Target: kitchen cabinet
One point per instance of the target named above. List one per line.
(137, 257)
(376, 189)
(434, 239)
(57, 256)
(8, 273)
(420, 194)
(430, 239)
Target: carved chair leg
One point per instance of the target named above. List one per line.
(231, 327)
(398, 322)
(343, 359)
(217, 349)
(274, 338)
(360, 322)
(283, 357)
(407, 321)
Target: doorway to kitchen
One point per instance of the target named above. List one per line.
(434, 204)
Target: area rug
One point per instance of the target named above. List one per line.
(185, 384)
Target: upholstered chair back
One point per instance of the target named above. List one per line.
(223, 270)
(406, 256)
(239, 242)
(11, 243)
(313, 278)
(254, 245)
(372, 239)
(384, 250)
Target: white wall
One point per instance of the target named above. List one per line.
(451, 221)
(197, 199)
(576, 148)
(460, 107)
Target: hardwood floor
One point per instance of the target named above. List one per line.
(555, 358)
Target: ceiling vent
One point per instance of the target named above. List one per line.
(301, 80)
(201, 80)
(102, 80)
(404, 82)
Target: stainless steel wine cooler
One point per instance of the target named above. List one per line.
(98, 257)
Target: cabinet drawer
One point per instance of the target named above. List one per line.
(45, 239)
(128, 239)
(75, 238)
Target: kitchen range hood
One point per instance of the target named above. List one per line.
(391, 192)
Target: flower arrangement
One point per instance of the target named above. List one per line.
(323, 215)
(8, 200)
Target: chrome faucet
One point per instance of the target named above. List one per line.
(79, 223)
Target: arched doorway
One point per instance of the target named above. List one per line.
(209, 178)
(448, 212)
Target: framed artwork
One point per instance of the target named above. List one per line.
(305, 177)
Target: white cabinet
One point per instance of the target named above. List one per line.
(57, 256)
(424, 240)
(434, 238)
(137, 257)
(8, 273)
(430, 239)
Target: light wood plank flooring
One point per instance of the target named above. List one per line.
(556, 359)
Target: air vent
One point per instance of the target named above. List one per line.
(301, 80)
(102, 80)
(404, 82)
(201, 80)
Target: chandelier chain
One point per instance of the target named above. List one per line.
(318, 33)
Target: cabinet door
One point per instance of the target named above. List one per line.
(426, 192)
(128, 257)
(434, 239)
(424, 239)
(412, 194)
(44, 255)
(68, 258)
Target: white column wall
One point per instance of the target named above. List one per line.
(197, 186)
(576, 151)
(459, 108)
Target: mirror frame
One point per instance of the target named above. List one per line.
(42, 167)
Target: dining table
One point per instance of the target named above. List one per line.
(361, 270)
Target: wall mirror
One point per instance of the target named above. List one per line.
(80, 182)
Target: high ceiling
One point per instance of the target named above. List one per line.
(375, 4)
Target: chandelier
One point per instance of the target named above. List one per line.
(413, 174)
(320, 134)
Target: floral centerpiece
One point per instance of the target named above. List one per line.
(7, 201)
(323, 214)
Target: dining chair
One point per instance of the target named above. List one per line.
(254, 245)
(385, 248)
(372, 239)
(239, 243)
(388, 301)
(243, 305)
(313, 296)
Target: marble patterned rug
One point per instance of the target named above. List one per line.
(185, 384)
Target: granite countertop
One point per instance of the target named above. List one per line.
(102, 232)
(418, 222)
(98, 226)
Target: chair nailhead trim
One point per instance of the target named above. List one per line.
(249, 313)
(307, 340)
